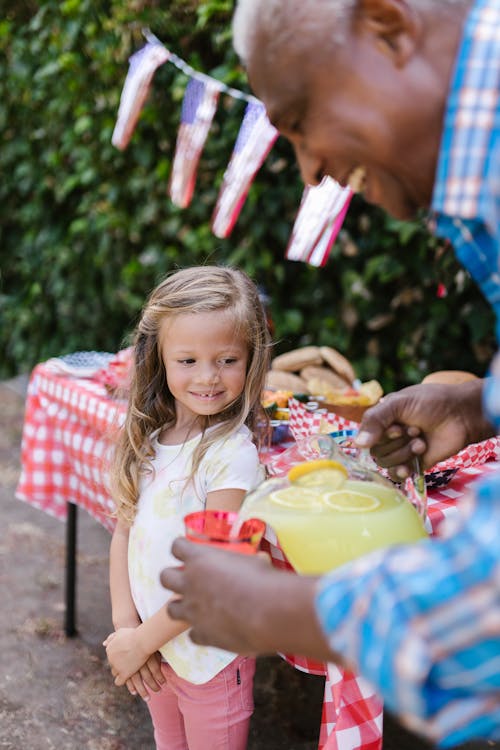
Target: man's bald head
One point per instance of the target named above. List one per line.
(280, 20)
(295, 22)
(356, 86)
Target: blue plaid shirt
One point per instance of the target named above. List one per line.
(423, 622)
(466, 201)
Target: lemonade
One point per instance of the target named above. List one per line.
(323, 518)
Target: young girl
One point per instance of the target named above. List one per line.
(201, 354)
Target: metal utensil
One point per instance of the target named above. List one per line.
(418, 478)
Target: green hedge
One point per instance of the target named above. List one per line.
(86, 231)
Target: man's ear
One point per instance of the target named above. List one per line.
(394, 26)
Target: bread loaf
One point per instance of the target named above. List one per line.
(339, 363)
(324, 375)
(297, 359)
(280, 380)
(452, 377)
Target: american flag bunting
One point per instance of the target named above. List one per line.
(198, 110)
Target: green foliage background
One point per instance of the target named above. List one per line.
(86, 231)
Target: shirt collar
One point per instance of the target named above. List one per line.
(472, 121)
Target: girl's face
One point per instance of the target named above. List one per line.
(204, 360)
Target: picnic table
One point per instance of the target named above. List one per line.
(69, 426)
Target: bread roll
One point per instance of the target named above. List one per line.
(280, 380)
(452, 377)
(339, 363)
(297, 359)
(324, 375)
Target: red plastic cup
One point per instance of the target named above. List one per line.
(225, 529)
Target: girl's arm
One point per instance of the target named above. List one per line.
(123, 611)
(124, 614)
(225, 499)
(130, 647)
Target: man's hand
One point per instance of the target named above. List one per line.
(215, 587)
(431, 420)
(240, 603)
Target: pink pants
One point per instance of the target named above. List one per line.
(212, 716)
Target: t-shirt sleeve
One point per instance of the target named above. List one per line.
(233, 464)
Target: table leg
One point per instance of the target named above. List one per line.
(70, 581)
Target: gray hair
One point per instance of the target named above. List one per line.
(308, 16)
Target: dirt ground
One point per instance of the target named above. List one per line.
(56, 693)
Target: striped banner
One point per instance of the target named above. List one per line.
(323, 207)
(255, 139)
(142, 67)
(320, 217)
(198, 110)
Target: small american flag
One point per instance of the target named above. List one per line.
(142, 66)
(198, 110)
(320, 217)
(255, 139)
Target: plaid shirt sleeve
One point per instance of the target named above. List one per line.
(423, 624)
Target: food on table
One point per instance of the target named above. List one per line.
(275, 404)
(281, 380)
(282, 413)
(296, 359)
(366, 394)
(339, 363)
(278, 398)
(324, 373)
(351, 403)
(332, 362)
(321, 377)
(449, 376)
(325, 514)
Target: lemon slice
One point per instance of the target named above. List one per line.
(327, 479)
(308, 467)
(296, 497)
(350, 501)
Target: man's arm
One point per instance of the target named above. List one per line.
(417, 621)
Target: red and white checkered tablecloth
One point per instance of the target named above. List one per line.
(68, 428)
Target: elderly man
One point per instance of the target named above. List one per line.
(408, 92)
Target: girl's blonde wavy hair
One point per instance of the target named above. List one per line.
(151, 406)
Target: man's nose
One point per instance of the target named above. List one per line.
(310, 166)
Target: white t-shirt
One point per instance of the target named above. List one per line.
(164, 500)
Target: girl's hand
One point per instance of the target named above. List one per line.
(124, 654)
(151, 673)
(149, 676)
